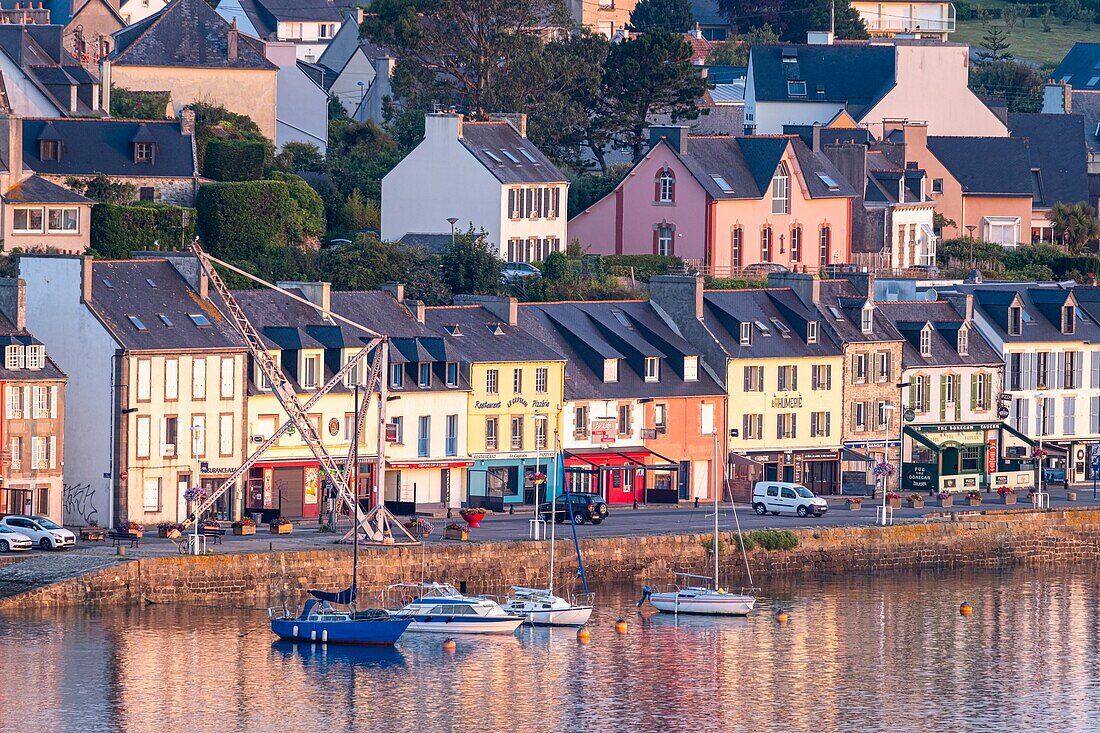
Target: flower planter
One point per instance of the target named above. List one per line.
(462, 535)
(947, 501)
(420, 530)
(916, 503)
(974, 502)
(241, 531)
(162, 532)
(1071, 496)
(474, 520)
(1008, 498)
(894, 503)
(282, 529)
(855, 506)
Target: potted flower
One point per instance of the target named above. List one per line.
(916, 501)
(211, 523)
(171, 530)
(974, 498)
(537, 478)
(893, 499)
(132, 528)
(1039, 453)
(280, 525)
(473, 516)
(946, 499)
(244, 526)
(419, 527)
(1008, 494)
(855, 503)
(455, 531)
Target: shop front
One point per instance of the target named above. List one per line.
(857, 461)
(625, 476)
(816, 469)
(429, 487)
(290, 489)
(961, 457)
(497, 481)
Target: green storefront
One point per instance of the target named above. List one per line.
(959, 456)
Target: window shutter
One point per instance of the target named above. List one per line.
(655, 235)
(1095, 370)
(794, 377)
(974, 387)
(779, 427)
(1029, 371)
(557, 201)
(828, 423)
(511, 203)
(913, 393)
(28, 402)
(829, 376)
(657, 188)
(747, 378)
(1059, 364)
(958, 397)
(51, 444)
(1094, 415)
(53, 401)
(943, 397)
(794, 425)
(8, 398)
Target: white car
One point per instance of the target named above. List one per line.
(519, 271)
(781, 497)
(12, 540)
(46, 533)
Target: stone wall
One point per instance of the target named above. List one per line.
(997, 538)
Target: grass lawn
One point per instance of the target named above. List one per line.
(1029, 43)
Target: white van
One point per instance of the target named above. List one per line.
(780, 497)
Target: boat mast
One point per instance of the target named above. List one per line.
(716, 484)
(553, 510)
(354, 472)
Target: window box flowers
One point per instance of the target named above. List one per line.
(281, 525)
(131, 528)
(1007, 494)
(419, 527)
(946, 498)
(916, 501)
(974, 498)
(893, 499)
(244, 526)
(171, 530)
(855, 503)
(455, 531)
(211, 523)
(473, 516)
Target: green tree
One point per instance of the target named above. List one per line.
(1076, 224)
(801, 16)
(358, 214)
(309, 219)
(1018, 83)
(471, 266)
(586, 189)
(995, 45)
(127, 104)
(298, 156)
(363, 264)
(735, 51)
(217, 121)
(103, 189)
(647, 75)
(422, 273)
(744, 15)
(674, 16)
(359, 155)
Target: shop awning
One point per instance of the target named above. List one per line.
(740, 460)
(919, 437)
(848, 454)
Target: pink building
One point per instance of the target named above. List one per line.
(724, 203)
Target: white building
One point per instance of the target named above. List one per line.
(487, 175)
(356, 72)
(301, 106)
(308, 24)
(933, 19)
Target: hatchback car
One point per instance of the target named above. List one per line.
(519, 271)
(586, 508)
(781, 497)
(46, 533)
(12, 540)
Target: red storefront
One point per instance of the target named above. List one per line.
(622, 476)
(294, 489)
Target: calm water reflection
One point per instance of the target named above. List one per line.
(858, 654)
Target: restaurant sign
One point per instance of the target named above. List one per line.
(920, 476)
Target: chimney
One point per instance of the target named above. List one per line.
(184, 263)
(318, 293)
(1057, 98)
(851, 161)
(415, 308)
(963, 303)
(442, 126)
(863, 282)
(11, 144)
(231, 41)
(677, 136)
(805, 286)
(397, 290)
(681, 296)
(517, 120)
(13, 300)
(86, 279)
(504, 308)
(105, 84)
(815, 138)
(187, 121)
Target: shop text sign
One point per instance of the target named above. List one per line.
(920, 476)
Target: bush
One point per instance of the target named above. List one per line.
(234, 160)
(771, 539)
(245, 220)
(645, 266)
(727, 283)
(311, 209)
(117, 230)
(133, 105)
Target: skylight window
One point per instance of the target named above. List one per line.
(150, 281)
(137, 323)
(527, 154)
(1027, 316)
(836, 313)
(621, 318)
(1081, 315)
(108, 284)
(796, 89)
(763, 329)
(1092, 81)
(781, 327)
(510, 156)
(199, 320)
(493, 155)
(829, 181)
(722, 183)
(166, 320)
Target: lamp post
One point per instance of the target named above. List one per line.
(362, 96)
(970, 235)
(452, 220)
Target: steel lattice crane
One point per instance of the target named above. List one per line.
(375, 524)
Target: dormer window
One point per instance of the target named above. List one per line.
(425, 379)
(611, 370)
(36, 357)
(964, 341)
(652, 369)
(1015, 320)
(261, 380)
(691, 368)
(811, 332)
(452, 374)
(926, 341)
(13, 357)
(1069, 322)
(144, 152)
(310, 371)
(746, 333)
(49, 150)
(397, 376)
(867, 319)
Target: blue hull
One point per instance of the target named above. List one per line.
(381, 632)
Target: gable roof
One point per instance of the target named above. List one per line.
(991, 166)
(841, 307)
(945, 323)
(1087, 106)
(725, 310)
(495, 137)
(37, 190)
(39, 52)
(186, 33)
(90, 146)
(482, 337)
(1080, 68)
(856, 75)
(1041, 303)
(1059, 157)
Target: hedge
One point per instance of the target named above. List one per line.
(245, 220)
(645, 266)
(119, 230)
(234, 160)
(311, 209)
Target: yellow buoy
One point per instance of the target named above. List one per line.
(449, 645)
(621, 626)
(782, 617)
(584, 636)
(966, 609)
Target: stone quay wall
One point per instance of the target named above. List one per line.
(996, 538)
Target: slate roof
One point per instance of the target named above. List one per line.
(39, 52)
(841, 307)
(714, 119)
(9, 334)
(120, 289)
(991, 166)
(725, 310)
(90, 146)
(37, 190)
(1079, 67)
(478, 137)
(435, 243)
(1056, 144)
(587, 333)
(856, 75)
(911, 318)
(186, 33)
(1042, 319)
(477, 340)
(748, 163)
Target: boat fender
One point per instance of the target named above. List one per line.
(324, 635)
(646, 593)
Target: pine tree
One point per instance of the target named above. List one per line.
(995, 45)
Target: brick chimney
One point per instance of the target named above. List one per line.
(11, 144)
(504, 308)
(86, 279)
(232, 40)
(13, 300)
(679, 295)
(187, 121)
(517, 120)
(397, 290)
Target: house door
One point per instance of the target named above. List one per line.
(950, 462)
(700, 479)
(771, 471)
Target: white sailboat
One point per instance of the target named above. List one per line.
(710, 600)
(539, 606)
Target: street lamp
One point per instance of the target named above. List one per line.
(452, 220)
(362, 97)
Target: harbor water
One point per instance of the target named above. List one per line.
(887, 653)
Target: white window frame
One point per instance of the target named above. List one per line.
(227, 369)
(811, 332)
(492, 381)
(781, 190)
(198, 436)
(61, 212)
(171, 379)
(652, 369)
(198, 378)
(995, 228)
(311, 368)
(151, 495)
(225, 434)
(29, 212)
(611, 370)
(142, 428)
(691, 368)
(14, 356)
(926, 341)
(542, 380)
(144, 378)
(16, 462)
(35, 356)
(665, 235)
(667, 187)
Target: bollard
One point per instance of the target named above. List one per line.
(966, 609)
(120, 550)
(782, 617)
(270, 546)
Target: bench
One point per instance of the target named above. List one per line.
(217, 534)
(117, 538)
(93, 534)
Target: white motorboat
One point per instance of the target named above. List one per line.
(441, 609)
(540, 607)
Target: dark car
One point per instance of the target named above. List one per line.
(586, 508)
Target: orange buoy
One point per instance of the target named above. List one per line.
(621, 626)
(584, 635)
(449, 645)
(966, 609)
(782, 617)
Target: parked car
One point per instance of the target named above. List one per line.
(518, 271)
(779, 497)
(586, 508)
(48, 534)
(12, 540)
